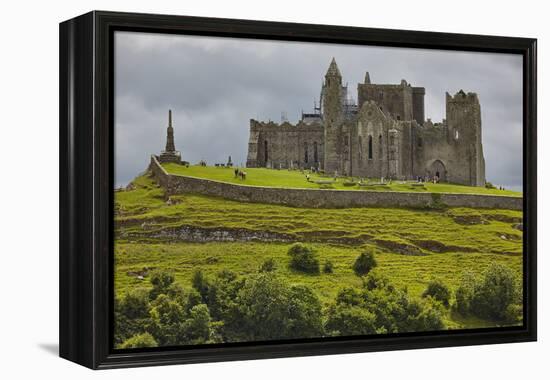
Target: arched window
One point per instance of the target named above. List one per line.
(305, 153)
(360, 148)
(315, 153)
(370, 147)
(266, 156)
(380, 147)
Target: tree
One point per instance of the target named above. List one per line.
(196, 328)
(139, 341)
(201, 284)
(497, 291)
(464, 294)
(131, 315)
(167, 317)
(364, 263)
(161, 281)
(303, 259)
(438, 291)
(305, 313)
(379, 307)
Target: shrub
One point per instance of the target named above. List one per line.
(489, 185)
(268, 265)
(139, 341)
(497, 295)
(364, 263)
(496, 292)
(303, 259)
(269, 309)
(438, 291)
(328, 267)
(379, 307)
(131, 315)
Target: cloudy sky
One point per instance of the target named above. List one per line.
(215, 85)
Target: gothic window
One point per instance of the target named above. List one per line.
(420, 142)
(266, 156)
(305, 153)
(456, 134)
(370, 147)
(360, 148)
(380, 146)
(315, 153)
(381, 95)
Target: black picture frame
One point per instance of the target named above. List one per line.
(86, 187)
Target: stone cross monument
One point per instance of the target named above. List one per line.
(170, 154)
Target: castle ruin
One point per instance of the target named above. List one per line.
(384, 134)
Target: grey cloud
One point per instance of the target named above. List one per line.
(215, 85)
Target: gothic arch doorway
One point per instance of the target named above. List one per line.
(437, 168)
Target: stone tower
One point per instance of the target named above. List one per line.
(170, 154)
(464, 135)
(333, 116)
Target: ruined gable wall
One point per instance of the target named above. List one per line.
(397, 100)
(285, 143)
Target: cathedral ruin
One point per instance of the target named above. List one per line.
(384, 134)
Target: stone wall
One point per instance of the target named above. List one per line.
(175, 184)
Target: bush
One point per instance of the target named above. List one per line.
(438, 291)
(139, 341)
(379, 307)
(489, 185)
(268, 265)
(496, 296)
(497, 291)
(269, 309)
(328, 267)
(303, 259)
(364, 263)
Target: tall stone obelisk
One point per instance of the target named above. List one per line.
(170, 154)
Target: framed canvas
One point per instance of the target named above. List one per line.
(234, 189)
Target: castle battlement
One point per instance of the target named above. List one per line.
(384, 135)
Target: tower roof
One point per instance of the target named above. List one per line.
(333, 69)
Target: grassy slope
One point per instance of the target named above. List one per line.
(470, 246)
(296, 179)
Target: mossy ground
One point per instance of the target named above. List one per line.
(445, 243)
(297, 179)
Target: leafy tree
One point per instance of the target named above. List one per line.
(303, 259)
(305, 313)
(438, 291)
(382, 308)
(364, 263)
(196, 328)
(139, 341)
(167, 317)
(349, 320)
(497, 291)
(201, 284)
(131, 315)
(268, 265)
(161, 281)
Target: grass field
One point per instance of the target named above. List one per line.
(411, 246)
(297, 179)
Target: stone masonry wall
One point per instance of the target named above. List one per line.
(175, 184)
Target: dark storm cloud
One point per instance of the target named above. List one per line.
(215, 85)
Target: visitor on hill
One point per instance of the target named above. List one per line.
(236, 172)
(307, 177)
